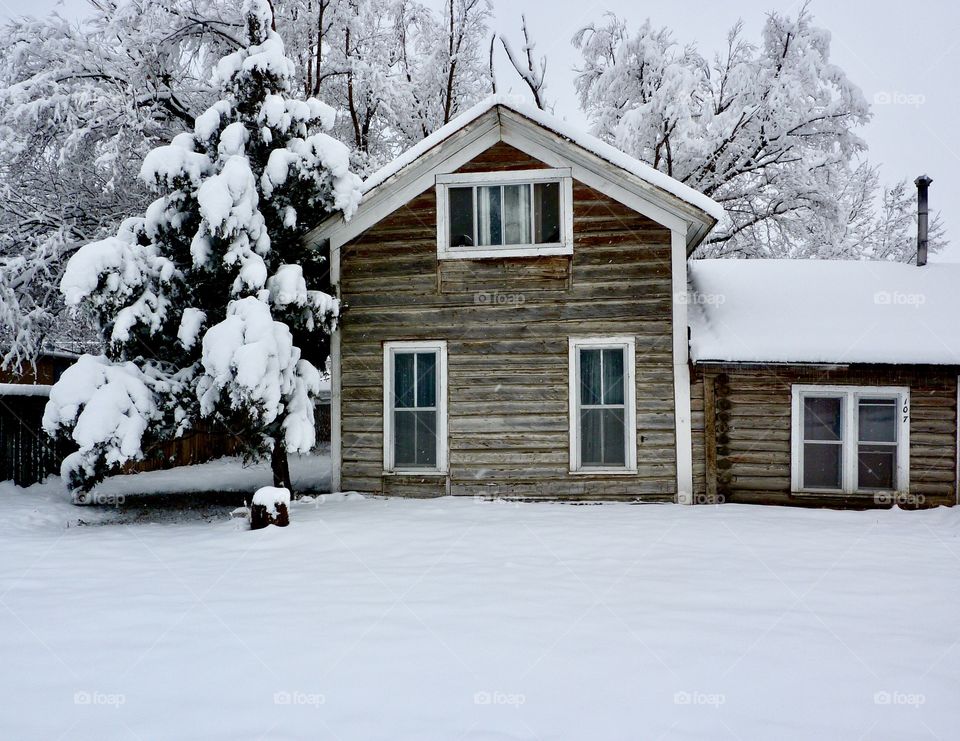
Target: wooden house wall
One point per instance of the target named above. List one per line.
(744, 444)
(507, 324)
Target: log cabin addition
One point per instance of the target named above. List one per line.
(519, 322)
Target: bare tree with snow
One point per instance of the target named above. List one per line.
(209, 305)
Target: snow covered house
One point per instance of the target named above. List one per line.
(517, 323)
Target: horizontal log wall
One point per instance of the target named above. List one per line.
(745, 443)
(507, 324)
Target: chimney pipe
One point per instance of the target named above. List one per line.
(923, 218)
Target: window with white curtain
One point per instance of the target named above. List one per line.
(504, 214)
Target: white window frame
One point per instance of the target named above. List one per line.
(628, 344)
(849, 436)
(390, 350)
(563, 175)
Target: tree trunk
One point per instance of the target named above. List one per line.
(281, 467)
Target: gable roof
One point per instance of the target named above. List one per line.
(824, 311)
(545, 137)
(548, 121)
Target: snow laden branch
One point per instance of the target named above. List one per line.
(81, 104)
(531, 72)
(768, 130)
(206, 302)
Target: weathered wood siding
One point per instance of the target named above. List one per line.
(745, 443)
(507, 324)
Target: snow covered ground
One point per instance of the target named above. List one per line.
(454, 619)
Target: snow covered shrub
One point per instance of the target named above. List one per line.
(205, 303)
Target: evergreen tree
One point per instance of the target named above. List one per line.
(207, 303)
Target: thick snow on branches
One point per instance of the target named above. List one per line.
(208, 295)
(768, 130)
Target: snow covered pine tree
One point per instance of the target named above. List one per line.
(203, 304)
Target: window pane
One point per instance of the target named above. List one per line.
(614, 439)
(546, 198)
(591, 440)
(876, 467)
(426, 439)
(488, 214)
(590, 377)
(516, 214)
(822, 418)
(461, 216)
(878, 420)
(426, 379)
(404, 439)
(613, 376)
(821, 466)
(403, 369)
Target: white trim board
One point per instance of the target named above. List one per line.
(682, 404)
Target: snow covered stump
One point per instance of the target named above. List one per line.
(270, 506)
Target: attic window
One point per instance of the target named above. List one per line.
(504, 214)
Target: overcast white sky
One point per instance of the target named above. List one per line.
(907, 53)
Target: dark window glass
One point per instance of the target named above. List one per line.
(876, 466)
(613, 376)
(822, 466)
(822, 418)
(426, 439)
(614, 438)
(878, 420)
(546, 212)
(415, 426)
(603, 429)
(404, 438)
(461, 216)
(403, 375)
(426, 379)
(591, 390)
(591, 437)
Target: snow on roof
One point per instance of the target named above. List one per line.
(824, 311)
(592, 144)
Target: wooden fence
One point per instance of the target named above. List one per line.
(27, 455)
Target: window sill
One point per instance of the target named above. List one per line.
(483, 253)
(859, 494)
(421, 474)
(604, 472)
